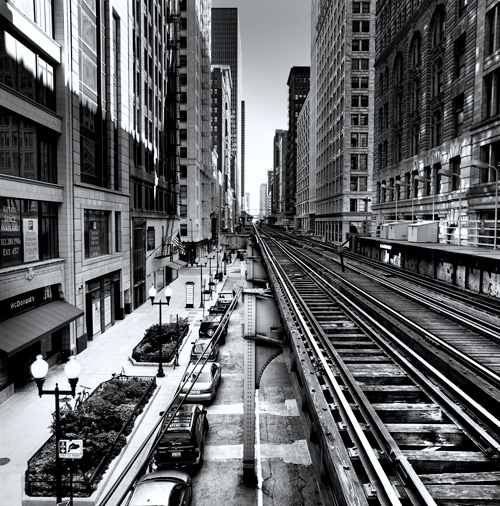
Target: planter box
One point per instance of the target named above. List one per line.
(110, 456)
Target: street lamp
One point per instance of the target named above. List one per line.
(72, 371)
(367, 201)
(485, 166)
(201, 263)
(425, 180)
(152, 295)
(450, 173)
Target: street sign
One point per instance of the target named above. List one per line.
(71, 448)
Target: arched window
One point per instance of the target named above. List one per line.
(438, 28)
(416, 51)
(398, 68)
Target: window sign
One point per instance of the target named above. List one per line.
(10, 243)
(30, 240)
(94, 242)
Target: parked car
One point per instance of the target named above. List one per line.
(206, 379)
(199, 347)
(209, 326)
(225, 297)
(183, 443)
(169, 488)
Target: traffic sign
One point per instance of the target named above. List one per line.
(71, 448)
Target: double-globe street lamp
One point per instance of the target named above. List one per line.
(201, 263)
(160, 303)
(72, 370)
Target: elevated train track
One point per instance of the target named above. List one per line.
(396, 414)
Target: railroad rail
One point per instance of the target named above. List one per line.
(394, 428)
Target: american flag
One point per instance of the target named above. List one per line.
(176, 241)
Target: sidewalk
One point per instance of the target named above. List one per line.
(25, 417)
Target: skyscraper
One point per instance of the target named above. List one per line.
(226, 50)
(298, 88)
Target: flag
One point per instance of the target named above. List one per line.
(176, 241)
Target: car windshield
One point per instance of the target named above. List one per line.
(176, 438)
(203, 377)
(199, 347)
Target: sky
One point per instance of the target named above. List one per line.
(275, 36)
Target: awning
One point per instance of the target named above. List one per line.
(21, 331)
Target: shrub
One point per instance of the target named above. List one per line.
(97, 422)
(148, 348)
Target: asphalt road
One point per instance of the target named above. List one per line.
(283, 466)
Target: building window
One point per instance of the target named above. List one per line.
(26, 149)
(459, 53)
(492, 30)
(398, 147)
(360, 26)
(415, 139)
(415, 95)
(437, 77)
(398, 69)
(118, 231)
(360, 45)
(458, 113)
(96, 233)
(415, 51)
(438, 29)
(492, 95)
(361, 7)
(358, 184)
(455, 168)
(28, 231)
(26, 72)
(462, 7)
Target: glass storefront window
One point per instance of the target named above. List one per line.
(96, 233)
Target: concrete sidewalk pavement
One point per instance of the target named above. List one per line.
(25, 417)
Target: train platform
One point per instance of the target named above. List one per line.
(26, 417)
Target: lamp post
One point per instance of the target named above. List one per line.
(485, 166)
(366, 200)
(72, 370)
(450, 173)
(200, 263)
(152, 295)
(425, 180)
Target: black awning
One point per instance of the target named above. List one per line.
(19, 332)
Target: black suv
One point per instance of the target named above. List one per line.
(183, 443)
(210, 324)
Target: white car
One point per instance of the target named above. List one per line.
(205, 386)
(169, 488)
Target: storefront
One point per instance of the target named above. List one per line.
(102, 303)
(31, 323)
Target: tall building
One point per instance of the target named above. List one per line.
(226, 50)
(298, 88)
(85, 152)
(242, 149)
(154, 64)
(342, 83)
(221, 142)
(263, 200)
(195, 129)
(279, 167)
(303, 219)
(436, 134)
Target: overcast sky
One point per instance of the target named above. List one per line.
(275, 36)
